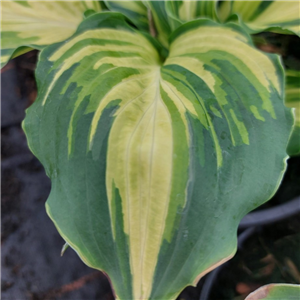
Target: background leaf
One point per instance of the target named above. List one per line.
(292, 99)
(276, 291)
(169, 15)
(180, 12)
(35, 24)
(161, 21)
(136, 11)
(278, 16)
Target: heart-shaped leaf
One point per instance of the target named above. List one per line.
(153, 164)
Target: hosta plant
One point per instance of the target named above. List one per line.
(160, 125)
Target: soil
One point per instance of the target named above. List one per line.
(32, 268)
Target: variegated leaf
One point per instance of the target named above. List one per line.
(292, 99)
(168, 15)
(278, 291)
(180, 12)
(136, 11)
(153, 164)
(280, 16)
(35, 24)
(161, 20)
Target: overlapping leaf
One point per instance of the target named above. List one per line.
(136, 11)
(168, 15)
(282, 16)
(276, 292)
(160, 20)
(34, 24)
(180, 12)
(292, 99)
(153, 164)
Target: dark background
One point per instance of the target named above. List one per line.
(31, 264)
